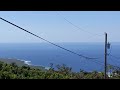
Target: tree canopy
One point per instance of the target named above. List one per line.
(12, 71)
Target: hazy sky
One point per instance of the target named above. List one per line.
(52, 26)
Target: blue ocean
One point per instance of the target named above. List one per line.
(44, 53)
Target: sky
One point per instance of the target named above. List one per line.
(60, 26)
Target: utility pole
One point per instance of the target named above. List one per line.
(105, 76)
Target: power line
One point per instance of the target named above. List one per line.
(116, 58)
(78, 26)
(113, 61)
(98, 62)
(47, 40)
(114, 66)
(117, 61)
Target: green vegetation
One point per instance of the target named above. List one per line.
(9, 61)
(13, 71)
(19, 63)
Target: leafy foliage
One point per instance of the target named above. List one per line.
(12, 71)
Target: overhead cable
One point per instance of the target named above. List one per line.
(47, 40)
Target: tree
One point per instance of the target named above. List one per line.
(1, 65)
(14, 64)
(64, 69)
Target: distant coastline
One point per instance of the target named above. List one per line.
(25, 62)
(42, 54)
(21, 62)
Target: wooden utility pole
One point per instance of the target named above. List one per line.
(105, 76)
